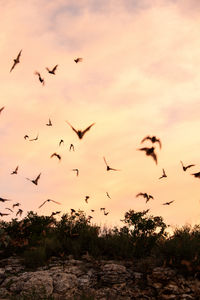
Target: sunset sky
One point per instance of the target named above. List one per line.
(140, 76)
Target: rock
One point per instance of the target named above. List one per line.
(113, 274)
(65, 283)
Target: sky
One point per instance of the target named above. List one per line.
(139, 76)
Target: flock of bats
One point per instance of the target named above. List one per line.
(149, 151)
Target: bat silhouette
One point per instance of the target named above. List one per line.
(80, 133)
(16, 61)
(26, 137)
(78, 59)
(150, 152)
(107, 166)
(2, 214)
(49, 124)
(163, 175)
(168, 203)
(146, 196)
(15, 171)
(92, 210)
(53, 70)
(61, 141)
(35, 181)
(102, 208)
(86, 198)
(186, 167)
(71, 147)
(72, 210)
(105, 213)
(16, 204)
(108, 195)
(77, 171)
(55, 154)
(35, 139)
(40, 78)
(4, 200)
(55, 213)
(197, 175)
(153, 139)
(19, 212)
(48, 200)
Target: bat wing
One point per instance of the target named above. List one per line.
(140, 194)
(2, 109)
(13, 66)
(42, 204)
(55, 202)
(145, 138)
(72, 127)
(18, 56)
(159, 141)
(88, 128)
(38, 177)
(154, 157)
(54, 68)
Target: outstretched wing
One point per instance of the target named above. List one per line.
(140, 194)
(38, 177)
(189, 166)
(55, 202)
(42, 204)
(159, 141)
(72, 127)
(105, 161)
(2, 109)
(154, 157)
(13, 66)
(18, 56)
(146, 138)
(143, 149)
(53, 70)
(88, 128)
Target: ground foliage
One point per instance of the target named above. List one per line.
(142, 236)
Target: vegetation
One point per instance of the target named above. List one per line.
(143, 236)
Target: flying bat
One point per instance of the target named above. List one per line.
(163, 175)
(4, 200)
(40, 78)
(145, 195)
(35, 181)
(150, 152)
(197, 175)
(2, 214)
(86, 198)
(57, 155)
(19, 212)
(78, 59)
(168, 203)
(26, 137)
(15, 171)
(108, 195)
(107, 166)
(16, 61)
(77, 171)
(153, 139)
(48, 200)
(71, 147)
(53, 70)
(186, 167)
(61, 141)
(1, 109)
(80, 133)
(49, 124)
(16, 204)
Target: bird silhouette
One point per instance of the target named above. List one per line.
(9, 209)
(78, 59)
(15, 171)
(19, 212)
(168, 203)
(49, 124)
(108, 168)
(186, 167)
(53, 70)
(153, 139)
(16, 61)
(26, 137)
(3, 214)
(4, 200)
(57, 155)
(71, 147)
(61, 142)
(150, 152)
(197, 175)
(108, 195)
(80, 133)
(40, 78)
(48, 200)
(163, 175)
(16, 204)
(1, 109)
(35, 181)
(146, 196)
(77, 171)
(86, 198)
(35, 139)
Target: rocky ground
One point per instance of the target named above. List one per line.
(68, 279)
